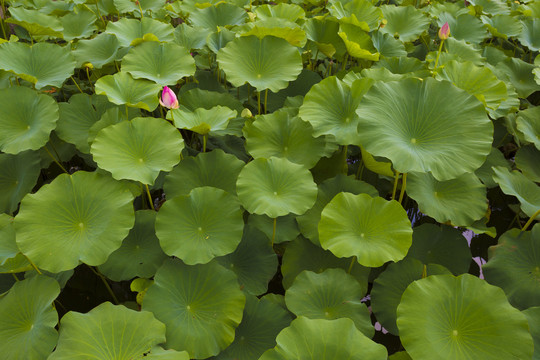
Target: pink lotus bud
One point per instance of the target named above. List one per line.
(168, 99)
(444, 31)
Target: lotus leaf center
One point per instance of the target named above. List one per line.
(188, 307)
(454, 333)
(28, 127)
(200, 228)
(259, 76)
(413, 140)
(275, 192)
(362, 235)
(81, 225)
(141, 160)
(326, 313)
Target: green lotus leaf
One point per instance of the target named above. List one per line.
(221, 14)
(324, 33)
(301, 254)
(460, 201)
(201, 305)
(126, 6)
(514, 266)
(254, 261)
(485, 172)
(533, 317)
(492, 7)
(330, 107)
(449, 317)
(121, 89)
(79, 217)
(275, 187)
(78, 116)
(16, 264)
(464, 27)
(331, 294)
(214, 168)
(356, 12)
(390, 285)
(158, 353)
(457, 50)
(130, 31)
(425, 125)
(191, 37)
(197, 98)
(404, 22)
(279, 28)
(401, 355)
(529, 34)
(527, 159)
(6, 282)
(140, 254)
(163, 63)
(79, 23)
(261, 323)
(518, 73)
(111, 116)
(503, 26)
(203, 121)
(290, 12)
(18, 176)
(404, 65)
(8, 245)
(308, 222)
(27, 319)
(443, 245)
(282, 135)
(387, 45)
(26, 119)
(378, 167)
(219, 39)
(37, 24)
(258, 66)
(286, 227)
(477, 81)
(98, 51)
(372, 229)
(208, 221)
(107, 332)
(320, 339)
(41, 64)
(297, 89)
(527, 122)
(358, 42)
(138, 149)
(516, 184)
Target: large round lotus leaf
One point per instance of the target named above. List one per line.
(214, 168)
(111, 116)
(140, 254)
(254, 261)
(79, 23)
(330, 107)
(533, 317)
(200, 226)
(404, 22)
(356, 12)
(460, 201)
(503, 26)
(221, 14)
(201, 305)
(529, 35)
(130, 31)
(77, 117)
(447, 317)
(41, 64)
(492, 7)
(464, 27)
(79, 217)
(163, 63)
(18, 176)
(197, 98)
(26, 119)
(425, 125)
(528, 123)
(8, 245)
(390, 285)
(387, 45)
(261, 323)
(250, 59)
(291, 12)
(27, 319)
(280, 28)
(158, 353)
(202, 121)
(121, 89)
(98, 51)
(320, 339)
(286, 227)
(309, 222)
(516, 184)
(138, 149)
(514, 266)
(301, 254)
(16, 264)
(485, 172)
(329, 295)
(519, 73)
(282, 135)
(38, 24)
(191, 37)
(372, 229)
(443, 245)
(477, 81)
(358, 42)
(527, 160)
(107, 332)
(126, 6)
(276, 187)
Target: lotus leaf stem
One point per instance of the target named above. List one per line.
(345, 165)
(33, 265)
(437, 59)
(15, 276)
(149, 197)
(396, 177)
(90, 81)
(77, 85)
(127, 113)
(360, 170)
(274, 231)
(54, 159)
(531, 219)
(205, 139)
(259, 102)
(403, 186)
(424, 272)
(353, 260)
(104, 280)
(265, 101)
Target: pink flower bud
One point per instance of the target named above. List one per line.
(168, 99)
(444, 31)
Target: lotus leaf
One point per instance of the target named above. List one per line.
(219, 39)
(201, 305)
(528, 35)
(519, 73)
(18, 176)
(324, 33)
(529, 125)
(425, 126)
(79, 217)
(464, 27)
(27, 319)
(387, 45)
(358, 42)
(107, 332)
(404, 22)
(37, 24)
(290, 12)
(126, 6)
(8, 246)
(503, 26)
(80, 23)
(516, 184)
(221, 14)
(197, 98)
(527, 160)
(122, 89)
(191, 37)
(286, 227)
(460, 318)
(357, 12)
(485, 172)
(98, 51)
(533, 317)
(203, 121)
(359, 225)
(132, 31)
(157, 353)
